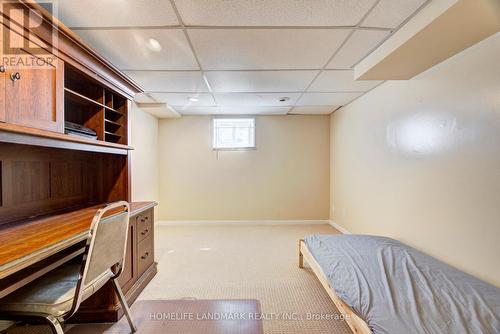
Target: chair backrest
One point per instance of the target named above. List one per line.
(105, 248)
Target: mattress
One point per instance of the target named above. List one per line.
(397, 289)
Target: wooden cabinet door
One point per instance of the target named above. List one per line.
(2, 77)
(34, 96)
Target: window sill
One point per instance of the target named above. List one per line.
(235, 149)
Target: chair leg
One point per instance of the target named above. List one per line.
(55, 325)
(124, 304)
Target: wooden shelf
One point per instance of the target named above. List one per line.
(112, 134)
(114, 111)
(17, 134)
(79, 98)
(111, 122)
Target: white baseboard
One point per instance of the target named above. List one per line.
(338, 227)
(253, 222)
(241, 222)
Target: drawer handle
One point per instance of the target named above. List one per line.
(146, 231)
(144, 219)
(145, 256)
(15, 76)
(2, 69)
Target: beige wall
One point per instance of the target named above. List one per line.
(419, 161)
(285, 178)
(144, 156)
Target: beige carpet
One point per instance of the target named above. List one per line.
(245, 261)
(238, 262)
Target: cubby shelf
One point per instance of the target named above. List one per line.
(114, 111)
(93, 106)
(107, 121)
(79, 98)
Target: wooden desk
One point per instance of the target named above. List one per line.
(44, 171)
(28, 243)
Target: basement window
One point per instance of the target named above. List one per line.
(233, 133)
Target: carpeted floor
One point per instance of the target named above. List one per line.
(239, 262)
(245, 261)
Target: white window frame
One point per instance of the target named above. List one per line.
(246, 148)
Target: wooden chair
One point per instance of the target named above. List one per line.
(56, 296)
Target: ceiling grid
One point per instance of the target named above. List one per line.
(335, 107)
(174, 7)
(243, 56)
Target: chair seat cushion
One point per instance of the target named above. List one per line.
(52, 293)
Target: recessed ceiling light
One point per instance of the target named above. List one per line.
(194, 99)
(154, 45)
(284, 99)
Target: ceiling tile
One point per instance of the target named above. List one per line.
(183, 99)
(234, 110)
(241, 49)
(391, 13)
(341, 81)
(116, 13)
(359, 45)
(159, 110)
(260, 81)
(326, 99)
(143, 98)
(313, 110)
(254, 100)
(162, 81)
(146, 49)
(273, 12)
(189, 110)
(254, 110)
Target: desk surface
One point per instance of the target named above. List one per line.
(29, 241)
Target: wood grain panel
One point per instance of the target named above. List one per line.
(68, 179)
(30, 181)
(1, 184)
(43, 112)
(38, 181)
(113, 175)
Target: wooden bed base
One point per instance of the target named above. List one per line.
(357, 325)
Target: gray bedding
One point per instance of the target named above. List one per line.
(399, 290)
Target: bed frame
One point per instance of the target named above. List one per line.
(357, 325)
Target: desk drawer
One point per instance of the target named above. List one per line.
(144, 225)
(145, 254)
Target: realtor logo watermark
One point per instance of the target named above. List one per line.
(28, 41)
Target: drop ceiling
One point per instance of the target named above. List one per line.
(205, 57)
